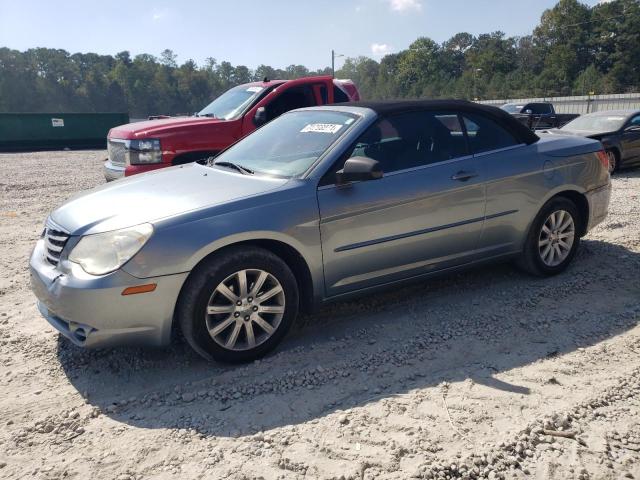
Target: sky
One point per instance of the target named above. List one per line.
(252, 32)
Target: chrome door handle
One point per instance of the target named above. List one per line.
(463, 176)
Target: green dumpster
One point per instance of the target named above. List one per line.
(41, 131)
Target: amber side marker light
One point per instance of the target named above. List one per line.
(150, 287)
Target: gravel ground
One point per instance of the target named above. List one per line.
(484, 374)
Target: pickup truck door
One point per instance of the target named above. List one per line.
(288, 96)
(425, 214)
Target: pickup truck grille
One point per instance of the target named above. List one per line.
(117, 153)
(54, 241)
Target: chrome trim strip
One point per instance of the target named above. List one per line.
(118, 140)
(50, 224)
(52, 247)
(400, 236)
(52, 259)
(56, 238)
(498, 150)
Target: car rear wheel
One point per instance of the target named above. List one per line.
(238, 305)
(553, 238)
(613, 161)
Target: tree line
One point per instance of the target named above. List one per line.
(574, 50)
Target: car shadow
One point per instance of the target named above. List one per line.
(474, 325)
(627, 172)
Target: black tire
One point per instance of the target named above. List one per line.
(203, 281)
(531, 259)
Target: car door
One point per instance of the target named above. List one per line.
(515, 181)
(425, 213)
(631, 140)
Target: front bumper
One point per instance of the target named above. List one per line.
(112, 171)
(136, 169)
(92, 312)
(598, 204)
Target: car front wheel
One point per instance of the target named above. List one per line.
(553, 238)
(238, 305)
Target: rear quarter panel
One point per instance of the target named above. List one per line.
(521, 180)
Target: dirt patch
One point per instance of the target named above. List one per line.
(483, 374)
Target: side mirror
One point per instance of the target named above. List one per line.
(359, 169)
(260, 118)
(632, 128)
(528, 111)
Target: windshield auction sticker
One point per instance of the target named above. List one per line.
(322, 128)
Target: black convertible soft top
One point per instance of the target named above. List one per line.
(387, 108)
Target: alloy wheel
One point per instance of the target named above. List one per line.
(556, 238)
(245, 309)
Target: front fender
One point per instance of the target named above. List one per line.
(178, 246)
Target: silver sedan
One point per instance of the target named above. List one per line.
(320, 204)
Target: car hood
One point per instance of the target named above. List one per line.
(155, 195)
(148, 128)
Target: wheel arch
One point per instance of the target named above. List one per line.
(617, 151)
(580, 201)
(285, 251)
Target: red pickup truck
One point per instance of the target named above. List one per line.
(144, 146)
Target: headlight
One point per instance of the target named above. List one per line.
(142, 152)
(105, 252)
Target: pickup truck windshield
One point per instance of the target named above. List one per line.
(596, 123)
(232, 103)
(290, 144)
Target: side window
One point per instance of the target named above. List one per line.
(339, 96)
(290, 99)
(536, 109)
(635, 121)
(540, 108)
(484, 134)
(412, 140)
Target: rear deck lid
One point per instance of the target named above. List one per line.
(565, 145)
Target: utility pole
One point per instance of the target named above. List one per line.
(334, 55)
(475, 82)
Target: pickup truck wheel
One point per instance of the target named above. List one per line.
(238, 306)
(553, 238)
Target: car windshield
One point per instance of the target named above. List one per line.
(232, 103)
(290, 144)
(596, 123)
(512, 108)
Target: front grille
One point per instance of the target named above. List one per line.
(54, 241)
(117, 153)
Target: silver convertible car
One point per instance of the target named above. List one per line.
(317, 205)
